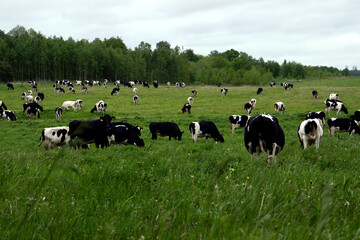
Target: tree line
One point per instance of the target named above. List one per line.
(29, 55)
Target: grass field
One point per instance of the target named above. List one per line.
(177, 189)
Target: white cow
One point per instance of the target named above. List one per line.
(55, 136)
(135, 91)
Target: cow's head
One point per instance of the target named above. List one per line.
(180, 135)
(344, 109)
(106, 119)
(310, 126)
(219, 138)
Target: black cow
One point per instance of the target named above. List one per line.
(238, 121)
(41, 95)
(219, 84)
(86, 132)
(10, 86)
(186, 108)
(340, 125)
(259, 91)
(248, 107)
(356, 116)
(32, 105)
(156, 85)
(264, 134)
(164, 129)
(115, 91)
(2, 105)
(205, 129)
(315, 94)
(32, 108)
(319, 115)
(119, 133)
(146, 84)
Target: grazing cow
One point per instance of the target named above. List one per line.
(272, 84)
(135, 91)
(146, 84)
(37, 99)
(115, 91)
(105, 85)
(7, 114)
(279, 107)
(100, 106)
(23, 96)
(259, 91)
(59, 90)
(248, 107)
(238, 121)
(32, 105)
(138, 82)
(224, 91)
(253, 103)
(264, 134)
(96, 82)
(136, 99)
(71, 89)
(309, 132)
(290, 85)
(30, 93)
(35, 88)
(84, 89)
(315, 94)
(205, 129)
(72, 104)
(2, 105)
(356, 117)
(339, 125)
(86, 132)
(193, 92)
(183, 85)
(190, 100)
(219, 84)
(79, 82)
(177, 84)
(55, 137)
(88, 83)
(132, 83)
(319, 115)
(335, 105)
(127, 85)
(186, 108)
(164, 129)
(41, 95)
(33, 109)
(169, 84)
(10, 86)
(29, 98)
(334, 96)
(58, 112)
(123, 134)
(156, 85)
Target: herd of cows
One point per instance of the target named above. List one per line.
(262, 133)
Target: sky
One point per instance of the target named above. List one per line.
(310, 32)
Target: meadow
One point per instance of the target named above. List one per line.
(177, 189)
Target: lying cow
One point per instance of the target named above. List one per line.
(55, 137)
(205, 129)
(264, 134)
(72, 104)
(164, 129)
(309, 132)
(238, 121)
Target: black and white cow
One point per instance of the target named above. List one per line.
(309, 132)
(84, 89)
(135, 91)
(55, 137)
(34, 88)
(41, 95)
(186, 108)
(146, 84)
(155, 83)
(253, 103)
(193, 92)
(248, 107)
(96, 82)
(32, 109)
(10, 86)
(59, 90)
(205, 129)
(356, 117)
(279, 107)
(177, 84)
(32, 105)
(86, 132)
(79, 82)
(2, 105)
(335, 105)
(238, 121)
(334, 96)
(340, 125)
(224, 91)
(183, 85)
(315, 94)
(264, 134)
(72, 104)
(58, 112)
(119, 133)
(259, 91)
(88, 83)
(190, 100)
(37, 99)
(7, 114)
(71, 90)
(319, 115)
(115, 91)
(100, 106)
(136, 99)
(272, 84)
(164, 129)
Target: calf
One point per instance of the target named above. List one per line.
(10, 86)
(238, 121)
(248, 107)
(122, 134)
(100, 106)
(115, 91)
(136, 99)
(7, 114)
(224, 91)
(190, 100)
(319, 115)
(2, 105)
(264, 134)
(259, 91)
(279, 107)
(164, 129)
(55, 137)
(58, 112)
(335, 105)
(186, 108)
(309, 132)
(339, 125)
(72, 104)
(315, 94)
(193, 92)
(205, 129)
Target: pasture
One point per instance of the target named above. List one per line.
(177, 189)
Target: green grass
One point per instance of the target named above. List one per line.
(177, 189)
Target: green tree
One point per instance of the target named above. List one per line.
(6, 72)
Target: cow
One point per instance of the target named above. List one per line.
(319, 115)
(96, 82)
(164, 129)
(193, 92)
(135, 91)
(259, 91)
(34, 88)
(100, 106)
(339, 125)
(190, 100)
(10, 86)
(315, 94)
(79, 82)
(29, 98)
(71, 89)
(123, 134)
(115, 91)
(356, 117)
(264, 134)
(86, 132)
(33, 105)
(335, 105)
(155, 83)
(88, 83)
(59, 90)
(272, 84)
(7, 114)
(224, 91)
(279, 107)
(169, 84)
(146, 84)
(55, 137)
(183, 85)
(30, 93)
(37, 99)
(72, 104)
(84, 89)
(238, 121)
(23, 95)
(41, 95)
(186, 108)
(253, 103)
(126, 84)
(309, 132)
(58, 112)
(205, 129)
(132, 83)
(219, 84)
(33, 110)
(248, 107)
(2, 105)
(290, 85)
(136, 99)
(177, 84)
(334, 96)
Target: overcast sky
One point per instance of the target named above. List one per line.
(311, 32)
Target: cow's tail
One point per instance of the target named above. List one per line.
(42, 138)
